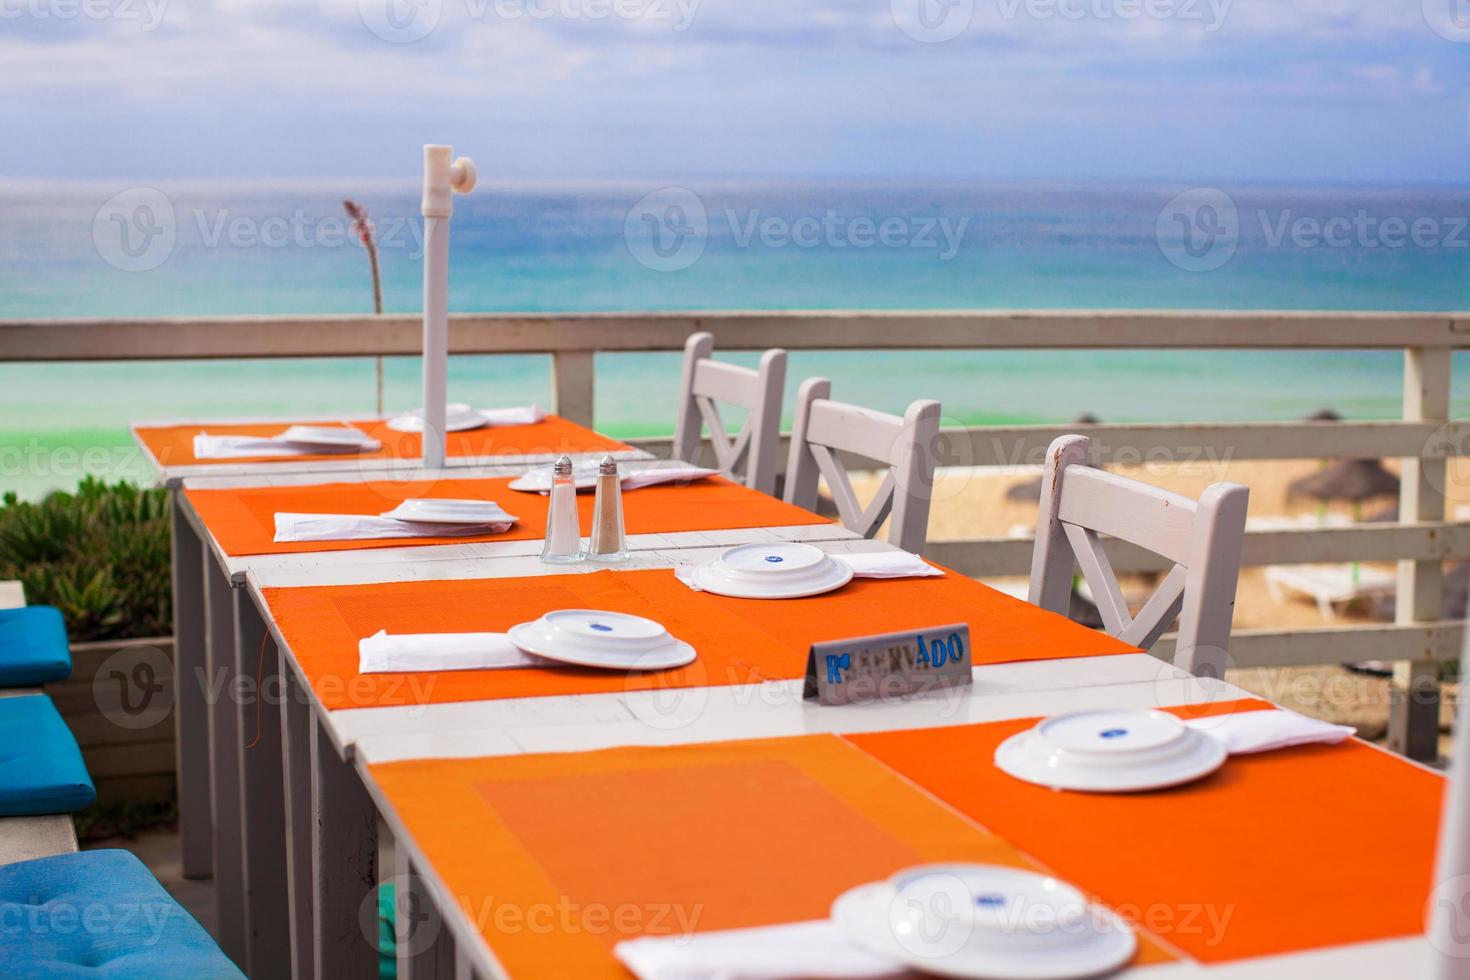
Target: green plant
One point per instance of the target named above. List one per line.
(100, 555)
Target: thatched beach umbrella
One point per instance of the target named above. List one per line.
(1350, 480)
(1030, 490)
(1323, 415)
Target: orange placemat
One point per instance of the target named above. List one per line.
(557, 858)
(173, 445)
(740, 641)
(1275, 853)
(244, 521)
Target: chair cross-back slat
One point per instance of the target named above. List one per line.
(824, 429)
(706, 382)
(1079, 505)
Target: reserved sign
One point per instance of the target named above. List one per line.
(867, 668)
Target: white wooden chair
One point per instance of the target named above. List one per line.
(1203, 538)
(906, 446)
(707, 381)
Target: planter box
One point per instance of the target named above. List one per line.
(118, 703)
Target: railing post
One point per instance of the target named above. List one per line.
(572, 385)
(1414, 718)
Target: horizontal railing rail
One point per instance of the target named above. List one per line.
(1425, 438)
(185, 338)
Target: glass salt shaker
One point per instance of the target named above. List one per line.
(607, 543)
(563, 531)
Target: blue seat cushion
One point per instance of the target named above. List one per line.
(41, 768)
(99, 914)
(33, 647)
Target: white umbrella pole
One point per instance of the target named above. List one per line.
(442, 180)
(1449, 914)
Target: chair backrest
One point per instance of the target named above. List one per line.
(906, 446)
(706, 382)
(1202, 538)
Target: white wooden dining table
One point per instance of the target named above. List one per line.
(217, 644)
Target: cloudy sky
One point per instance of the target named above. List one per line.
(1294, 90)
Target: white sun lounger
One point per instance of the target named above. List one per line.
(1329, 585)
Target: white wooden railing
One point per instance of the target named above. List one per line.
(1423, 439)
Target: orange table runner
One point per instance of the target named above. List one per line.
(1275, 853)
(243, 521)
(740, 641)
(173, 445)
(557, 858)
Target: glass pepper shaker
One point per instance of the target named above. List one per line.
(607, 543)
(563, 530)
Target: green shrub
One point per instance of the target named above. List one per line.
(100, 555)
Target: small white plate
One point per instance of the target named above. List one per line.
(458, 417)
(1111, 751)
(985, 921)
(591, 638)
(428, 510)
(327, 435)
(584, 475)
(772, 571)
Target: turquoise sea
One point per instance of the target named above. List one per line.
(721, 245)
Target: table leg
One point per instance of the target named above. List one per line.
(224, 773)
(425, 946)
(262, 803)
(296, 774)
(191, 714)
(344, 858)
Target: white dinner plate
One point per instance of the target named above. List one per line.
(458, 417)
(1111, 751)
(428, 510)
(592, 638)
(584, 475)
(772, 571)
(985, 922)
(327, 435)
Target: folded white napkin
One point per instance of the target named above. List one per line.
(1261, 731)
(385, 654)
(362, 527)
(877, 564)
(816, 950)
(515, 415)
(887, 564)
(207, 446)
(654, 475)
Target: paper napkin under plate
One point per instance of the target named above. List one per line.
(873, 564)
(816, 950)
(207, 446)
(1262, 731)
(655, 475)
(362, 527)
(515, 415)
(382, 653)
